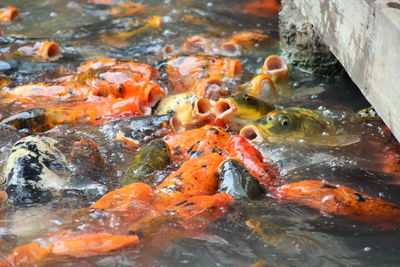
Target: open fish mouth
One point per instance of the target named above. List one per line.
(252, 133)
(201, 112)
(276, 67)
(225, 108)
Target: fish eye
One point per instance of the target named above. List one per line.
(284, 121)
(269, 118)
(247, 97)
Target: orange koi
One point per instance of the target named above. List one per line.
(244, 37)
(341, 200)
(268, 8)
(181, 143)
(46, 50)
(200, 141)
(78, 246)
(252, 159)
(200, 211)
(148, 72)
(8, 13)
(195, 44)
(196, 176)
(191, 213)
(126, 9)
(120, 82)
(95, 112)
(26, 254)
(91, 244)
(186, 73)
(129, 197)
(50, 51)
(107, 80)
(276, 67)
(212, 141)
(64, 91)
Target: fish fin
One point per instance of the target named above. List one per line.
(338, 140)
(307, 91)
(120, 137)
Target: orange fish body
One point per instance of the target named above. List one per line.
(78, 246)
(341, 200)
(268, 8)
(191, 213)
(107, 81)
(126, 9)
(39, 51)
(252, 159)
(64, 91)
(148, 72)
(199, 211)
(95, 111)
(126, 198)
(198, 176)
(26, 254)
(180, 144)
(212, 141)
(195, 44)
(8, 13)
(200, 141)
(91, 244)
(192, 73)
(244, 37)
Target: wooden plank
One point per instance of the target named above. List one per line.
(365, 36)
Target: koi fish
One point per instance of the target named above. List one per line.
(8, 13)
(118, 39)
(196, 176)
(154, 156)
(342, 201)
(77, 246)
(235, 180)
(189, 109)
(60, 91)
(199, 73)
(184, 144)
(276, 67)
(45, 50)
(262, 86)
(130, 197)
(35, 168)
(195, 44)
(268, 8)
(4, 81)
(252, 159)
(126, 9)
(139, 98)
(148, 72)
(241, 109)
(294, 124)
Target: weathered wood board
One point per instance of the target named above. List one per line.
(365, 36)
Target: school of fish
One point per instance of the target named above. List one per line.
(199, 120)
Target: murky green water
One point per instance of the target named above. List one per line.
(297, 235)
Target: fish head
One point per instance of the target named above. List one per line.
(242, 106)
(276, 124)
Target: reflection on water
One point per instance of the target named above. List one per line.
(281, 234)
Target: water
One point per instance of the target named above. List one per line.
(294, 234)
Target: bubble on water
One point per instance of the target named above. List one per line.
(367, 249)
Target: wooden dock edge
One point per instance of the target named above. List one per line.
(365, 36)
